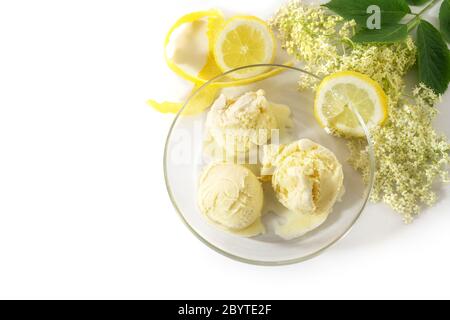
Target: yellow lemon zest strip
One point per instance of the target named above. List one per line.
(210, 69)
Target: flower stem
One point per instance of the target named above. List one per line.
(428, 7)
(416, 20)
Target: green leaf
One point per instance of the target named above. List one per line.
(392, 11)
(417, 2)
(387, 34)
(433, 58)
(444, 19)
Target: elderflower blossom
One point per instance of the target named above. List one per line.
(410, 154)
(320, 39)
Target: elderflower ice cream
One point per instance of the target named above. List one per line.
(237, 126)
(308, 180)
(231, 197)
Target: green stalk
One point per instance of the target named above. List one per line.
(416, 20)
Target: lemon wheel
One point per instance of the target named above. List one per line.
(243, 41)
(343, 92)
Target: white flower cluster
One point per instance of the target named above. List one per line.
(410, 155)
(321, 39)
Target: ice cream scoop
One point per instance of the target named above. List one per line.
(240, 125)
(231, 197)
(308, 180)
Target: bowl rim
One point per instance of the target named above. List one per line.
(310, 256)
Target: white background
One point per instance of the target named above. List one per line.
(83, 206)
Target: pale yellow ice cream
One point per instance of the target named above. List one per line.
(308, 180)
(238, 126)
(231, 197)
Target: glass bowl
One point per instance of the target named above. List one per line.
(184, 160)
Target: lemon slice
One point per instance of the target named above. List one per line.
(244, 40)
(341, 93)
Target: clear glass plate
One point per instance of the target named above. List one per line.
(184, 161)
